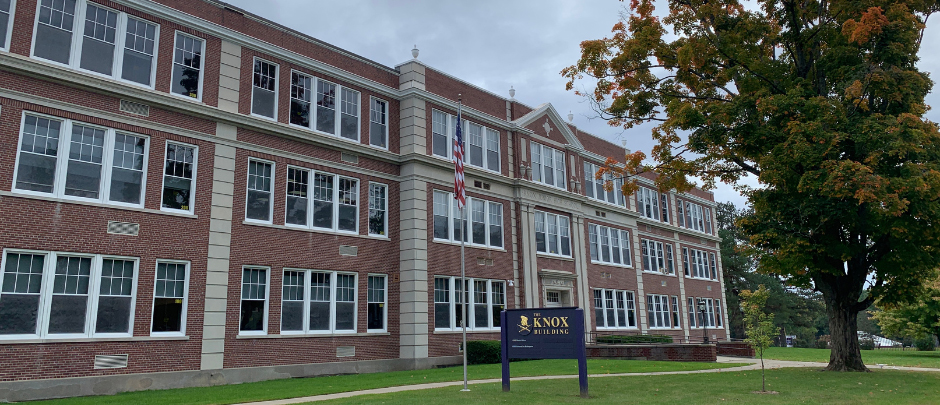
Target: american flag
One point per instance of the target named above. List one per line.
(460, 193)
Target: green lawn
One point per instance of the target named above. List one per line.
(299, 387)
(794, 386)
(870, 357)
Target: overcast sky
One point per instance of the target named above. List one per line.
(492, 44)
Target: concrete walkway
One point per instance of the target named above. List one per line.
(755, 365)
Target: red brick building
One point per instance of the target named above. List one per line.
(195, 195)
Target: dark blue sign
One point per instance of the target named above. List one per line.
(544, 333)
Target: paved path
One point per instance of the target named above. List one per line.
(755, 364)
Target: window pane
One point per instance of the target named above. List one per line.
(376, 302)
(178, 174)
(259, 191)
(254, 295)
(292, 301)
(492, 150)
(378, 121)
(320, 301)
(37, 165)
(348, 205)
(297, 181)
(377, 209)
(264, 89)
(565, 238)
(498, 300)
(440, 215)
(83, 176)
(595, 248)
(442, 303)
(475, 145)
(138, 51)
(349, 115)
(323, 200)
(326, 107)
(168, 301)
(98, 43)
(478, 221)
(54, 33)
(599, 309)
(496, 224)
(187, 63)
(19, 303)
(128, 168)
(301, 89)
(540, 243)
(536, 162)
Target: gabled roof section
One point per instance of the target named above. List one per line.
(547, 112)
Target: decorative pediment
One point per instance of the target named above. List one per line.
(545, 121)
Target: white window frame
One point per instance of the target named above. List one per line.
(62, 162)
(452, 206)
(387, 119)
(648, 203)
(192, 186)
(656, 258)
(538, 172)
(699, 264)
(384, 278)
(337, 110)
(710, 314)
(9, 41)
(94, 294)
(202, 66)
(594, 235)
(591, 184)
(661, 307)
(453, 281)
(629, 300)
(277, 87)
(78, 29)
(385, 208)
(273, 189)
(311, 176)
(267, 301)
(450, 126)
(556, 218)
(182, 331)
(307, 300)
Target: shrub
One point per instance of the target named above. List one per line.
(484, 352)
(924, 344)
(822, 342)
(866, 343)
(634, 339)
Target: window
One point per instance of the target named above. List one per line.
(169, 298)
(485, 225)
(657, 257)
(664, 205)
(697, 265)
(694, 216)
(485, 299)
(614, 309)
(609, 245)
(108, 42)
(326, 117)
(254, 301)
(95, 163)
(66, 295)
(710, 313)
(548, 166)
(692, 311)
(264, 89)
(648, 203)
(318, 302)
(260, 189)
(376, 304)
(179, 177)
(335, 202)
(481, 143)
(378, 209)
(551, 234)
(378, 123)
(594, 188)
(349, 115)
(675, 310)
(301, 87)
(6, 22)
(718, 313)
(187, 66)
(657, 310)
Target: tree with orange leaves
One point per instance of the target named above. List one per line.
(822, 102)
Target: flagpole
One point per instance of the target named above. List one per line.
(463, 274)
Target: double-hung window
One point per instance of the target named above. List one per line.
(552, 234)
(378, 122)
(169, 298)
(264, 89)
(657, 311)
(609, 245)
(712, 315)
(694, 216)
(378, 209)
(481, 144)
(696, 264)
(485, 220)
(69, 159)
(6, 22)
(253, 314)
(259, 202)
(614, 309)
(66, 295)
(332, 205)
(187, 66)
(179, 177)
(648, 200)
(548, 166)
(327, 107)
(657, 257)
(594, 187)
(88, 36)
(376, 298)
(485, 299)
(318, 302)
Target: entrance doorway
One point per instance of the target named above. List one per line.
(557, 299)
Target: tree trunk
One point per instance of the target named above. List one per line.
(843, 327)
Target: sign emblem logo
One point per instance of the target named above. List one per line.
(524, 328)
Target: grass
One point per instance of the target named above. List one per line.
(299, 387)
(794, 386)
(870, 357)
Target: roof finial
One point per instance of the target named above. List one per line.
(414, 52)
(570, 116)
(512, 92)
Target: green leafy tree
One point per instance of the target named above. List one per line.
(758, 324)
(822, 102)
(918, 319)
